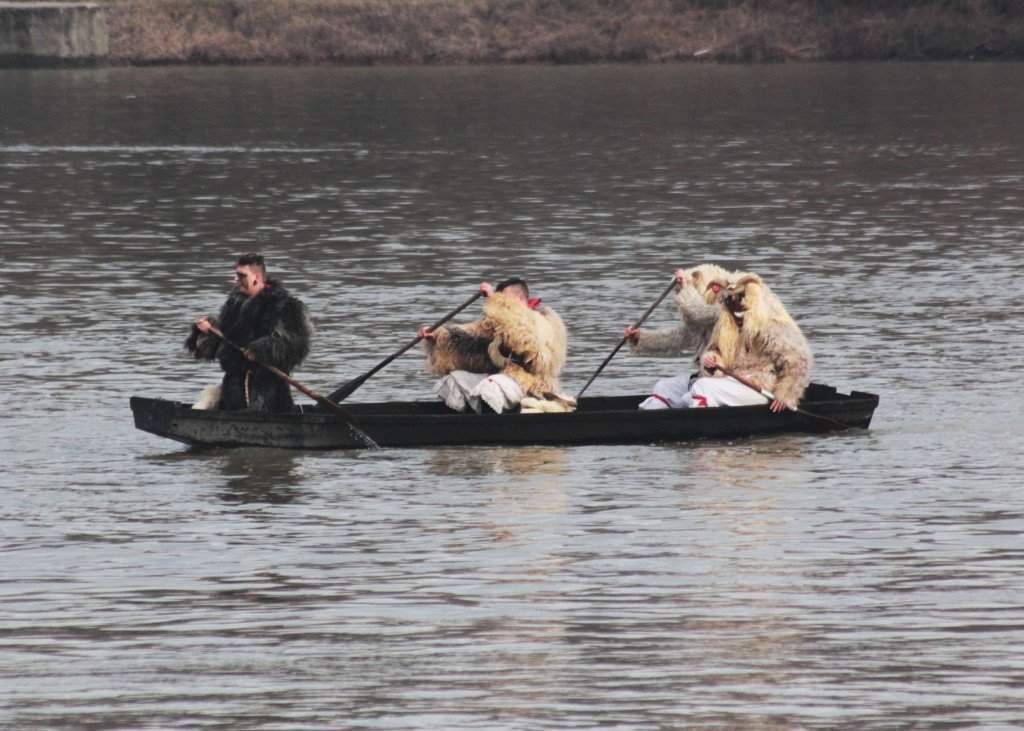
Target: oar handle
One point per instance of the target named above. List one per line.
(672, 285)
(349, 387)
(622, 342)
(430, 328)
(453, 313)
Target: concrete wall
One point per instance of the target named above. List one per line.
(52, 33)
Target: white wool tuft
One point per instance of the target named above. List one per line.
(208, 399)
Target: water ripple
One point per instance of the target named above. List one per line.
(858, 581)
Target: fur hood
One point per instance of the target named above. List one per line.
(756, 337)
(698, 313)
(708, 280)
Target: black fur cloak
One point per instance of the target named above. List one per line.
(276, 327)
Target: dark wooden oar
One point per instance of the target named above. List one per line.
(771, 397)
(622, 342)
(362, 436)
(349, 387)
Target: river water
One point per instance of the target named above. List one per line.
(869, 580)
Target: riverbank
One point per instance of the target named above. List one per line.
(559, 31)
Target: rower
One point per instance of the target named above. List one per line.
(516, 351)
(271, 327)
(757, 353)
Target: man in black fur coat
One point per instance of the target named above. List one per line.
(272, 326)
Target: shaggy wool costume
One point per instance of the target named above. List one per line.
(698, 313)
(528, 345)
(459, 348)
(272, 324)
(756, 338)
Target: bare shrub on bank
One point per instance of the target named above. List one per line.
(559, 31)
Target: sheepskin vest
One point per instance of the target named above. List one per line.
(527, 344)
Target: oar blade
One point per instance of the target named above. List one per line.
(347, 389)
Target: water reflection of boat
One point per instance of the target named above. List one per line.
(248, 475)
(259, 476)
(597, 420)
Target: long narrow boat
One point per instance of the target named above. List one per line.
(597, 420)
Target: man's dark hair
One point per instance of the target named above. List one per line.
(252, 260)
(513, 282)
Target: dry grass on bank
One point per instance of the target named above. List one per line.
(560, 31)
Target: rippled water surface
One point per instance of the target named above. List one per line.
(870, 580)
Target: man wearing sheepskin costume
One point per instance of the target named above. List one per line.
(272, 326)
(755, 338)
(696, 296)
(510, 358)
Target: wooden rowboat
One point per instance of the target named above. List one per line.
(597, 420)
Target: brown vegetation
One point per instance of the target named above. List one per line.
(560, 31)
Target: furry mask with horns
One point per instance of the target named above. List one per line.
(749, 308)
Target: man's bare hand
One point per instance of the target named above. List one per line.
(711, 361)
(632, 334)
(682, 278)
(487, 288)
(426, 333)
(204, 324)
(777, 406)
(249, 355)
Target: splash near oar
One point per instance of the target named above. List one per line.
(622, 342)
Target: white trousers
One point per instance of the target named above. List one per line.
(462, 391)
(705, 392)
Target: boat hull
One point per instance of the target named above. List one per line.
(598, 420)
